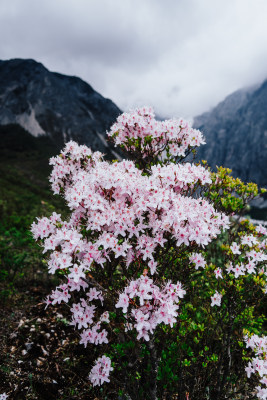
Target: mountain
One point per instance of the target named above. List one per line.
(236, 134)
(58, 106)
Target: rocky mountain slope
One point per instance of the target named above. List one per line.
(236, 134)
(59, 106)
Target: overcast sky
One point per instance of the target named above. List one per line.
(180, 56)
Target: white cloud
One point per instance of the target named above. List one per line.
(182, 57)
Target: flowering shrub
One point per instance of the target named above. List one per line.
(133, 245)
(259, 363)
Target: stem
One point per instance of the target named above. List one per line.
(222, 377)
(154, 370)
(228, 348)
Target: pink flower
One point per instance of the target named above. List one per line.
(239, 270)
(141, 321)
(249, 370)
(235, 248)
(249, 240)
(216, 299)
(198, 260)
(123, 302)
(105, 317)
(251, 267)
(76, 273)
(101, 370)
(153, 266)
(218, 273)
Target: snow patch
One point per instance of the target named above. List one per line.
(30, 123)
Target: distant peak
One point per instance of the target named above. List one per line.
(23, 61)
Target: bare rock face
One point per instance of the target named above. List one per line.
(59, 106)
(236, 134)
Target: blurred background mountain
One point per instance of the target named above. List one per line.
(236, 134)
(55, 105)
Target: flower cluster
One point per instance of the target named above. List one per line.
(100, 371)
(259, 363)
(249, 256)
(198, 260)
(140, 128)
(149, 306)
(117, 200)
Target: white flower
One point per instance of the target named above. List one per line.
(216, 299)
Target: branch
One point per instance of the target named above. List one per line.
(154, 369)
(93, 282)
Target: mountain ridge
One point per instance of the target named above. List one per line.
(49, 103)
